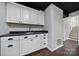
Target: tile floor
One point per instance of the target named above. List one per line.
(70, 48)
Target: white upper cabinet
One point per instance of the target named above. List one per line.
(37, 17)
(13, 13)
(34, 15)
(16, 13)
(25, 15)
(41, 18)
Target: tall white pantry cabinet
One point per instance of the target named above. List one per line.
(54, 25)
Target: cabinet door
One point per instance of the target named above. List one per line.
(36, 42)
(25, 45)
(13, 12)
(25, 15)
(41, 18)
(34, 16)
(11, 48)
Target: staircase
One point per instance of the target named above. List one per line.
(71, 44)
(74, 34)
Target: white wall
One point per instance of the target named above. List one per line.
(67, 27)
(5, 28)
(20, 27)
(54, 25)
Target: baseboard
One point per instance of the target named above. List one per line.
(55, 48)
(78, 42)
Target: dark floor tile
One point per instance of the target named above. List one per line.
(69, 44)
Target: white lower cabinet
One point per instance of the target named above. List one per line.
(10, 48)
(29, 44)
(44, 40)
(23, 45)
(36, 42)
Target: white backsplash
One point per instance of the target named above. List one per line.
(36, 29)
(20, 27)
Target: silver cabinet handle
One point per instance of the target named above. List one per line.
(36, 35)
(10, 39)
(44, 35)
(10, 45)
(44, 38)
(44, 43)
(26, 37)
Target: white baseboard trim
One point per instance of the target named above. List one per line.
(78, 42)
(54, 48)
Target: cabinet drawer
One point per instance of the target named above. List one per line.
(45, 34)
(44, 44)
(27, 37)
(10, 48)
(12, 38)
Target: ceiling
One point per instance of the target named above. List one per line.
(67, 7)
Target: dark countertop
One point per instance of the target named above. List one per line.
(19, 33)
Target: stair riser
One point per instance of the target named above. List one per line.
(73, 34)
(73, 38)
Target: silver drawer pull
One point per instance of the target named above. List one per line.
(44, 35)
(10, 45)
(26, 37)
(10, 39)
(44, 43)
(36, 35)
(44, 38)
